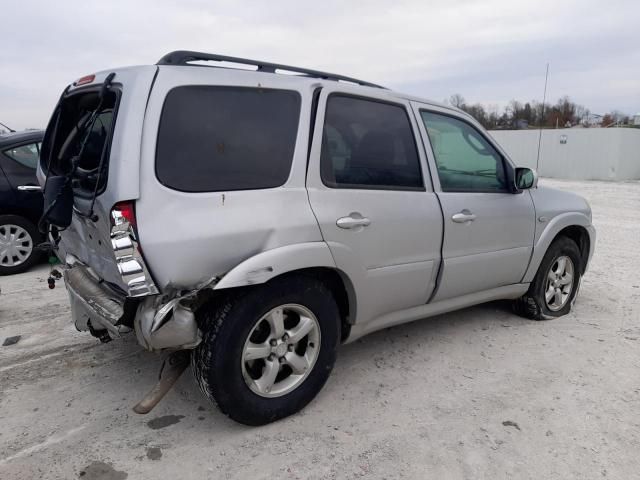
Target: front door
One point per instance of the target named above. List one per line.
(374, 202)
(488, 229)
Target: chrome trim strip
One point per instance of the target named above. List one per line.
(131, 265)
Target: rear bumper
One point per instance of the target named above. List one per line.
(93, 304)
(97, 307)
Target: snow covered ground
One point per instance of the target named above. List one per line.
(479, 393)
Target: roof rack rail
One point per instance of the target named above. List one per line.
(183, 57)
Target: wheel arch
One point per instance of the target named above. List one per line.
(580, 235)
(313, 259)
(21, 212)
(575, 226)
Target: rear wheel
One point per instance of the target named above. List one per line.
(18, 241)
(268, 351)
(555, 286)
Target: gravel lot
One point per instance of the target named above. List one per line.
(479, 393)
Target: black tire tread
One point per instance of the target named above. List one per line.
(530, 305)
(213, 317)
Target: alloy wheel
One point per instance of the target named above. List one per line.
(560, 279)
(281, 350)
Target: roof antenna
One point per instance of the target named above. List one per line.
(11, 130)
(544, 99)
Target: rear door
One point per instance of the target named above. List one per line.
(113, 141)
(488, 230)
(19, 163)
(375, 205)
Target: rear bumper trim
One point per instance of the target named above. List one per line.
(97, 306)
(93, 301)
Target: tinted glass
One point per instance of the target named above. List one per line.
(226, 138)
(26, 155)
(368, 144)
(466, 161)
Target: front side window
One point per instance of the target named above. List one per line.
(25, 155)
(226, 138)
(368, 144)
(466, 161)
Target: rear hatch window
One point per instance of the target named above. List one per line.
(78, 140)
(226, 138)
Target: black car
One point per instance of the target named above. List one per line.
(20, 200)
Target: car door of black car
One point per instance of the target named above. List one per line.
(19, 165)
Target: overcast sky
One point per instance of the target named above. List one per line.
(490, 51)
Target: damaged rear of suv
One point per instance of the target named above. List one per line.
(160, 181)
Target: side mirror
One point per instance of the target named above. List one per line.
(526, 178)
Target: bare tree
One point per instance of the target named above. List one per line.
(457, 100)
(564, 113)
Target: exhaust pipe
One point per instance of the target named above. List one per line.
(172, 367)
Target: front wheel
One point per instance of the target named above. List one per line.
(555, 286)
(267, 352)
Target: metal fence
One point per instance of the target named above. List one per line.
(580, 154)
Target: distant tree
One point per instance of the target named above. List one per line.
(566, 110)
(554, 118)
(564, 113)
(620, 117)
(492, 116)
(607, 120)
(514, 108)
(478, 112)
(527, 113)
(457, 100)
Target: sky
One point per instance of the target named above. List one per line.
(489, 51)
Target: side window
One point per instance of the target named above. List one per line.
(226, 138)
(368, 144)
(25, 155)
(466, 161)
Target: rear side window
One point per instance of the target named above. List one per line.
(368, 144)
(25, 155)
(226, 138)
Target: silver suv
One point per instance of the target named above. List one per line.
(251, 221)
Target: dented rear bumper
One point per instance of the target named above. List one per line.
(93, 303)
(159, 323)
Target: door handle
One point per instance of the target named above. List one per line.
(463, 217)
(354, 220)
(29, 188)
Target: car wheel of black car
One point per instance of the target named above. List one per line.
(555, 286)
(19, 238)
(268, 350)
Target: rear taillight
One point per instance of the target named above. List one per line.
(123, 211)
(127, 251)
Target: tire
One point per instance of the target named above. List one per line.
(9, 225)
(534, 304)
(234, 384)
